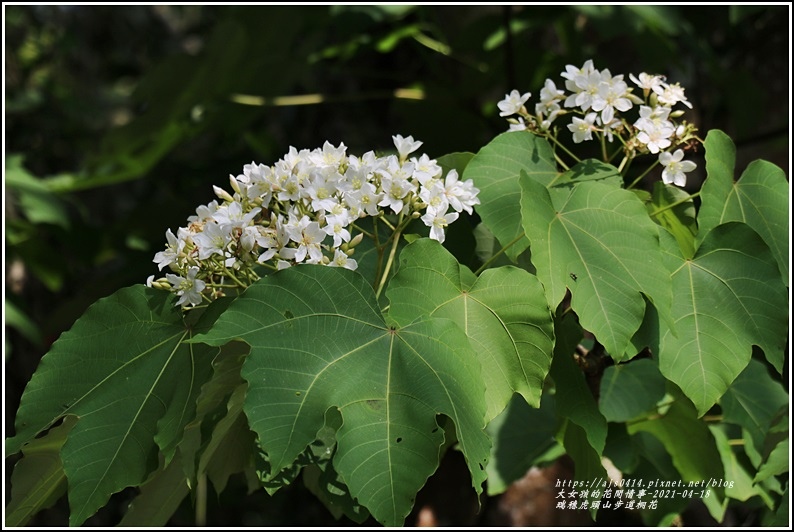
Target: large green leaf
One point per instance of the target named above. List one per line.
(38, 479)
(495, 170)
(503, 312)
(599, 244)
(753, 400)
(318, 342)
(126, 371)
(687, 439)
(674, 209)
(522, 437)
(728, 298)
(630, 390)
(760, 198)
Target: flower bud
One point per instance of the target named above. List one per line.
(356, 240)
(349, 252)
(416, 214)
(222, 194)
(677, 114)
(234, 183)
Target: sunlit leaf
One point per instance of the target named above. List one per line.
(728, 298)
(674, 209)
(126, 371)
(319, 341)
(503, 312)
(599, 244)
(495, 170)
(760, 198)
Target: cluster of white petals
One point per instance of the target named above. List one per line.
(599, 103)
(304, 209)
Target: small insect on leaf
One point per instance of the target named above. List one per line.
(573, 276)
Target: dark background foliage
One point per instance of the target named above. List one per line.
(119, 119)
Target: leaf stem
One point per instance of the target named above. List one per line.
(496, 255)
(675, 204)
(201, 501)
(389, 261)
(639, 178)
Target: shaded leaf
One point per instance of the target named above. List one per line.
(503, 312)
(740, 483)
(760, 198)
(630, 390)
(159, 497)
(600, 245)
(126, 371)
(522, 437)
(728, 298)
(572, 395)
(688, 440)
(318, 340)
(753, 400)
(38, 480)
(496, 169)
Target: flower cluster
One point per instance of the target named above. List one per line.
(304, 209)
(598, 102)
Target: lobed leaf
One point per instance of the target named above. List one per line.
(126, 371)
(728, 298)
(495, 170)
(760, 198)
(600, 244)
(318, 342)
(503, 312)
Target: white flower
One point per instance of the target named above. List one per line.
(647, 81)
(582, 128)
(611, 95)
(437, 222)
(405, 146)
(212, 239)
(675, 168)
(308, 235)
(341, 260)
(656, 138)
(512, 103)
(188, 288)
(549, 94)
(519, 125)
(671, 94)
(328, 156)
(174, 247)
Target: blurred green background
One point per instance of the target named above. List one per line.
(119, 119)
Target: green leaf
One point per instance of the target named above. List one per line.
(126, 371)
(211, 407)
(503, 312)
(159, 497)
(36, 199)
(752, 401)
(38, 480)
(777, 463)
(319, 341)
(728, 298)
(495, 170)
(740, 483)
(523, 436)
(760, 198)
(630, 390)
(599, 244)
(674, 209)
(573, 397)
(588, 170)
(686, 439)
